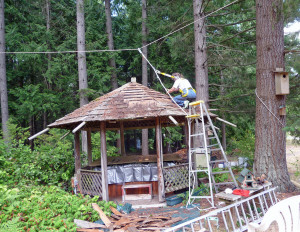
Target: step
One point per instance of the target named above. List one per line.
(215, 173)
(200, 150)
(224, 183)
(216, 161)
(200, 170)
(216, 149)
(196, 134)
(213, 145)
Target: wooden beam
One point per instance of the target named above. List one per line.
(104, 162)
(37, 134)
(229, 123)
(89, 146)
(78, 127)
(77, 151)
(102, 215)
(186, 135)
(161, 186)
(86, 224)
(123, 152)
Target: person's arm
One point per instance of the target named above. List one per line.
(173, 89)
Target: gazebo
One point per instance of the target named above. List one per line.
(132, 106)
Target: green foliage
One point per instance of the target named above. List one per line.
(245, 146)
(51, 162)
(201, 190)
(45, 208)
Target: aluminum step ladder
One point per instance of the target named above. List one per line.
(197, 114)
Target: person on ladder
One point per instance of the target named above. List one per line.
(185, 88)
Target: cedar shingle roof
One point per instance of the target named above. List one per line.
(131, 101)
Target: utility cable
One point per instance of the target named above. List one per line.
(64, 52)
(268, 108)
(155, 70)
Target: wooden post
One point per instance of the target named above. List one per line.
(186, 134)
(161, 185)
(104, 161)
(89, 147)
(123, 152)
(77, 151)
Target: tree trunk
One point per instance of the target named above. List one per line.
(270, 140)
(82, 73)
(112, 61)
(110, 43)
(3, 81)
(48, 26)
(145, 142)
(223, 128)
(201, 72)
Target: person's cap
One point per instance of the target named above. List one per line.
(176, 75)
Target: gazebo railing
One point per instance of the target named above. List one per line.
(90, 182)
(176, 177)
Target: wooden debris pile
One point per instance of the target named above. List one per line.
(120, 222)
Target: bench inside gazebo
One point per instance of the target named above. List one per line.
(132, 106)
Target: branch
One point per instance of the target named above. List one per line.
(226, 86)
(291, 51)
(237, 65)
(236, 35)
(230, 24)
(227, 98)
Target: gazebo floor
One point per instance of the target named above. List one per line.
(141, 203)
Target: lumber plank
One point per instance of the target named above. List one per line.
(131, 229)
(172, 221)
(86, 224)
(115, 211)
(102, 215)
(88, 230)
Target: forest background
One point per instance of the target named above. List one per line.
(44, 87)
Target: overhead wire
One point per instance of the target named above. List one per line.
(75, 51)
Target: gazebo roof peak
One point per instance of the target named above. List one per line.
(129, 102)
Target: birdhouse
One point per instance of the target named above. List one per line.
(282, 110)
(247, 179)
(281, 82)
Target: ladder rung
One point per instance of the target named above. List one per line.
(224, 183)
(214, 173)
(197, 134)
(211, 137)
(199, 170)
(199, 150)
(193, 116)
(217, 161)
(213, 145)
(216, 149)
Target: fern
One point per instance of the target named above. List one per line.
(11, 226)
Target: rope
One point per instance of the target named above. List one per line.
(268, 108)
(155, 70)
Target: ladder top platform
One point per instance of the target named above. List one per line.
(196, 103)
